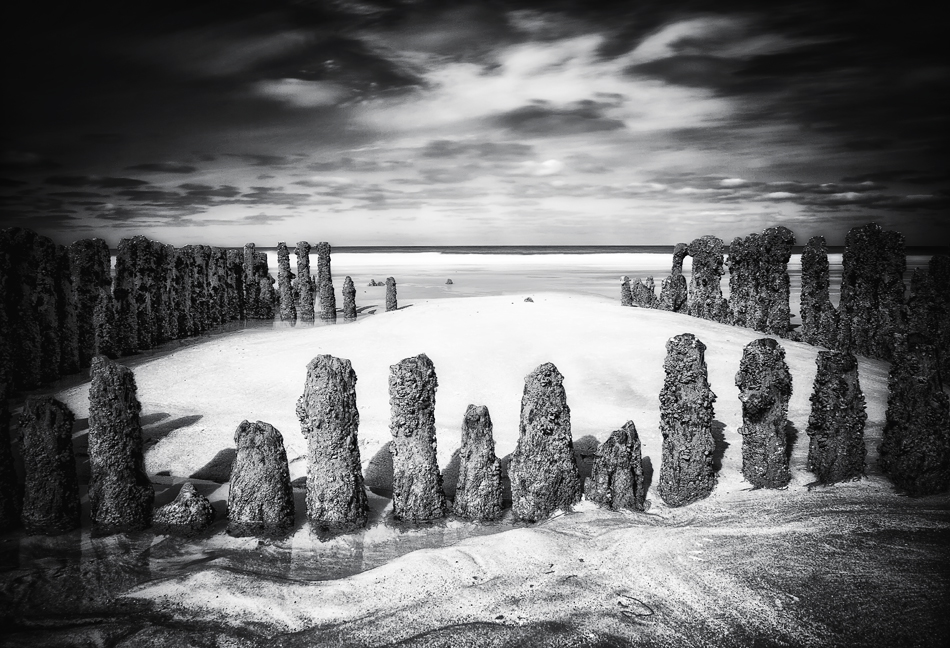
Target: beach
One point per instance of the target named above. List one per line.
(797, 566)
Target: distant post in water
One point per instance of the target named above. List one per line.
(915, 448)
(871, 311)
(285, 290)
(260, 499)
(836, 450)
(304, 284)
(765, 385)
(616, 480)
(543, 471)
(51, 489)
(819, 317)
(673, 291)
(329, 420)
(417, 482)
(705, 293)
(120, 493)
(390, 294)
(478, 495)
(349, 299)
(758, 281)
(686, 415)
(626, 297)
(89, 264)
(325, 285)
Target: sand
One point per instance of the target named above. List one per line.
(851, 564)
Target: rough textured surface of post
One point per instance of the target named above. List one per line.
(626, 297)
(260, 499)
(836, 450)
(819, 316)
(169, 279)
(643, 294)
(349, 299)
(329, 420)
(417, 482)
(120, 493)
(870, 315)
(928, 309)
(391, 304)
(325, 286)
(189, 514)
(759, 283)
(915, 447)
(268, 302)
(158, 293)
(252, 291)
(22, 339)
(103, 322)
(123, 292)
(673, 292)
(478, 495)
(235, 261)
(305, 284)
(616, 480)
(285, 284)
(184, 275)
(66, 314)
(200, 288)
(46, 307)
(686, 415)
(705, 293)
(217, 286)
(51, 488)
(765, 385)
(543, 471)
(9, 491)
(89, 264)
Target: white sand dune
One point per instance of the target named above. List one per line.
(732, 569)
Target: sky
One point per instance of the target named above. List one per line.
(473, 123)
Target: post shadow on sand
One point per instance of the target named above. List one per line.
(450, 476)
(217, 470)
(718, 430)
(378, 476)
(791, 436)
(647, 465)
(151, 435)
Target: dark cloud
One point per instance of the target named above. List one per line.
(359, 165)
(265, 160)
(151, 195)
(162, 167)
(9, 182)
(273, 196)
(202, 191)
(690, 70)
(76, 194)
(94, 181)
(491, 150)
(542, 119)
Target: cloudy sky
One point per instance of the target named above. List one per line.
(426, 123)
